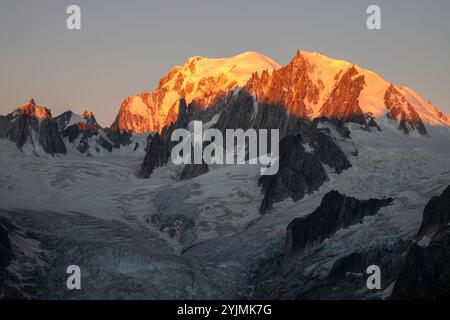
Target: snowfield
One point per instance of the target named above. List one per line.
(202, 238)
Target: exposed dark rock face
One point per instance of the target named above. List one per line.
(309, 85)
(301, 158)
(22, 260)
(159, 147)
(174, 225)
(158, 154)
(6, 256)
(186, 114)
(33, 124)
(294, 89)
(290, 87)
(191, 171)
(49, 138)
(335, 212)
(106, 144)
(372, 123)
(426, 272)
(237, 113)
(241, 110)
(74, 131)
(300, 172)
(402, 111)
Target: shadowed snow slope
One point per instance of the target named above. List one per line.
(204, 238)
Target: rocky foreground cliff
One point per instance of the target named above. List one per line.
(359, 160)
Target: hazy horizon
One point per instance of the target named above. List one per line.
(125, 47)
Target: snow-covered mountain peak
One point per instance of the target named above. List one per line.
(33, 110)
(88, 114)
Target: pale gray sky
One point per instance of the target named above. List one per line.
(125, 47)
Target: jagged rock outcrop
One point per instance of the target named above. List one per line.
(422, 273)
(343, 101)
(162, 146)
(22, 263)
(335, 212)
(34, 125)
(311, 86)
(426, 271)
(310, 269)
(159, 146)
(371, 121)
(139, 114)
(200, 80)
(158, 154)
(323, 145)
(83, 132)
(120, 138)
(348, 277)
(300, 172)
(191, 171)
(6, 256)
(436, 214)
(291, 87)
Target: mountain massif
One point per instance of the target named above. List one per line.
(311, 85)
(200, 80)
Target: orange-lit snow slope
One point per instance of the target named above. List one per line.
(372, 96)
(311, 85)
(201, 79)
